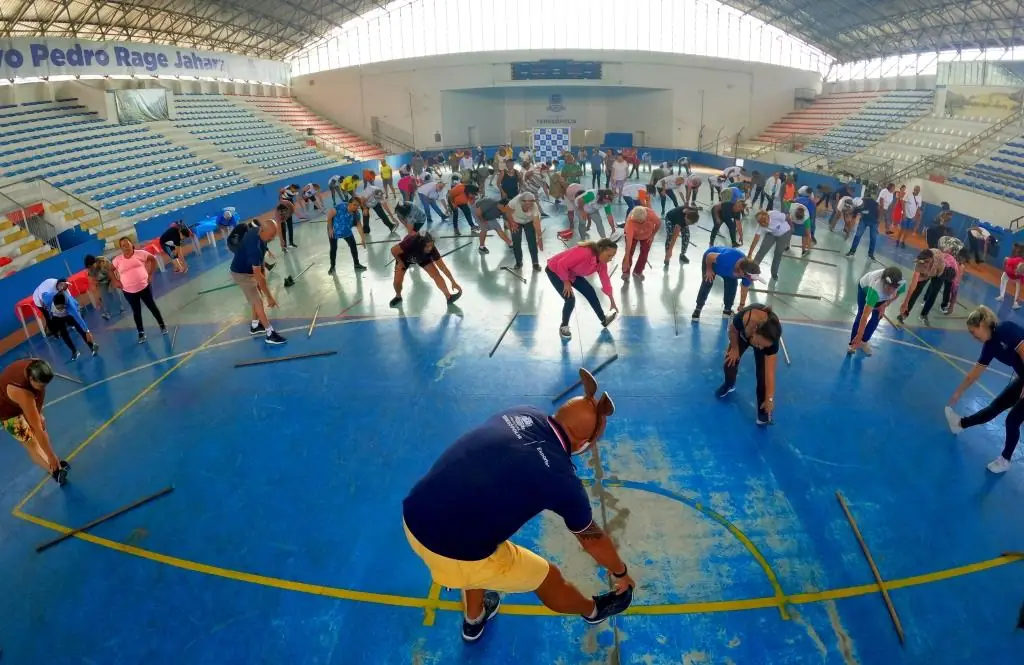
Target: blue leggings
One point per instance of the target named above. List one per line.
(429, 203)
(876, 314)
(581, 285)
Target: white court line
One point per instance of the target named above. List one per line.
(207, 348)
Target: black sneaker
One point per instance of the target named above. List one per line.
(609, 604)
(736, 244)
(609, 318)
(726, 313)
(872, 257)
(257, 329)
(457, 232)
(763, 418)
(163, 330)
(900, 318)
(453, 297)
(95, 349)
(291, 244)
(360, 268)
(395, 302)
(484, 250)
(724, 390)
(75, 355)
(142, 338)
(849, 255)
(536, 267)
(683, 259)
(60, 476)
(330, 270)
(471, 632)
(695, 315)
(64, 465)
(519, 266)
(274, 338)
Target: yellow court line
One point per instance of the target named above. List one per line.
(432, 602)
(124, 409)
(521, 610)
(938, 353)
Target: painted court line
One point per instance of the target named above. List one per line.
(124, 409)
(393, 600)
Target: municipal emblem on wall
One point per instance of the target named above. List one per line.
(555, 104)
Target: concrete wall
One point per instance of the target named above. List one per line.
(679, 92)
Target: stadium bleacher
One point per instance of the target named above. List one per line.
(293, 113)
(1000, 173)
(880, 117)
(823, 114)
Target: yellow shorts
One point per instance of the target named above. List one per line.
(511, 568)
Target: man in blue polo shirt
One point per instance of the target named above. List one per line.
(460, 516)
(866, 215)
(732, 266)
(247, 271)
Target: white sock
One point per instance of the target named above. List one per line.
(270, 329)
(255, 322)
(593, 615)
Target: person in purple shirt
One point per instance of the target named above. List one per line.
(459, 518)
(732, 266)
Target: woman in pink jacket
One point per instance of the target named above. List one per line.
(641, 225)
(568, 270)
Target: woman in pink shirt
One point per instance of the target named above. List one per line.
(133, 270)
(407, 186)
(568, 270)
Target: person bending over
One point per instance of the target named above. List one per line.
(759, 327)
(22, 394)
(1002, 341)
(875, 291)
(734, 268)
(419, 249)
(568, 271)
(677, 226)
(460, 516)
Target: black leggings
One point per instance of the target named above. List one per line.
(731, 372)
(464, 207)
(288, 231)
(1008, 399)
(60, 324)
(581, 285)
(931, 288)
(135, 301)
(730, 291)
(670, 193)
(351, 246)
(730, 224)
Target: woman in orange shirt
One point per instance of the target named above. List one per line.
(461, 197)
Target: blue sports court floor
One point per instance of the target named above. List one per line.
(282, 541)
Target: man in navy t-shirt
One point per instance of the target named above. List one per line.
(247, 271)
(732, 266)
(866, 214)
(493, 480)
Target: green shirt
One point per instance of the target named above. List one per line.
(572, 173)
(874, 289)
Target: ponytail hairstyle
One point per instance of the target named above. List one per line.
(599, 246)
(982, 316)
(771, 327)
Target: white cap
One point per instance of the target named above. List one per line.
(804, 190)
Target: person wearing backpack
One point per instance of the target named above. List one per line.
(341, 219)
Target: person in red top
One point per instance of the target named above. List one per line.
(22, 393)
(642, 224)
(568, 270)
(1013, 271)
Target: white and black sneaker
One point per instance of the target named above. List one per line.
(142, 338)
(724, 390)
(274, 338)
(258, 329)
(565, 332)
(471, 632)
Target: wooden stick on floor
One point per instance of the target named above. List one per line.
(503, 333)
(874, 568)
(579, 382)
(109, 516)
(303, 271)
(800, 258)
(265, 361)
(785, 353)
(514, 274)
(174, 336)
(358, 300)
(69, 378)
(313, 322)
(216, 288)
(457, 248)
(783, 293)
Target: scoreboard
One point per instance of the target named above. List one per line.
(549, 70)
